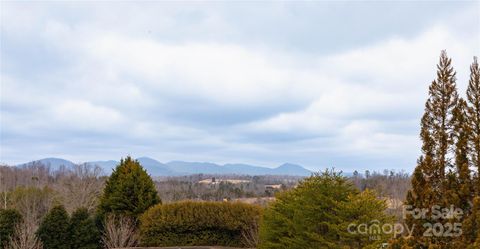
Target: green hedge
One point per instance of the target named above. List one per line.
(198, 224)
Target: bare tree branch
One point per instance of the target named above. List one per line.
(119, 232)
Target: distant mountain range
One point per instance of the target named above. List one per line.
(178, 168)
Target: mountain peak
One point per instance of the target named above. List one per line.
(145, 158)
(292, 169)
(289, 166)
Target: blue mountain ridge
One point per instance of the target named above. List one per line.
(178, 168)
(52, 162)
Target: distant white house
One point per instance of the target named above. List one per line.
(273, 186)
(213, 181)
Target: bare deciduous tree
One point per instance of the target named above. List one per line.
(24, 236)
(119, 232)
(80, 186)
(33, 203)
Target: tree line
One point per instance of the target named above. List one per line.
(101, 217)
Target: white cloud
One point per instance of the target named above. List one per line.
(224, 73)
(86, 116)
(383, 78)
(379, 83)
(132, 83)
(395, 64)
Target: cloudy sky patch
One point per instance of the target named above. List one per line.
(321, 84)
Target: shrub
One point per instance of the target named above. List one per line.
(317, 214)
(198, 223)
(128, 191)
(9, 219)
(84, 233)
(54, 229)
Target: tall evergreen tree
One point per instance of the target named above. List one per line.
(473, 97)
(439, 108)
(429, 180)
(128, 191)
(54, 229)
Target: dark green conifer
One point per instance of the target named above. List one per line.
(9, 218)
(84, 233)
(54, 229)
(128, 191)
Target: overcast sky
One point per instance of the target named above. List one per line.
(320, 84)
